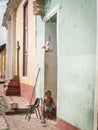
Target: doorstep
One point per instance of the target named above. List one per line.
(52, 123)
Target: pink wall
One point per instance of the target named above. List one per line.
(26, 91)
(2, 76)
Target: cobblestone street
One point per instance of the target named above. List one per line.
(18, 121)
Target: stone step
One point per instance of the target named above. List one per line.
(12, 87)
(12, 92)
(14, 83)
(14, 80)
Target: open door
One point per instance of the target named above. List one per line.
(50, 64)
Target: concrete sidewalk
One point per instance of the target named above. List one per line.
(18, 121)
(3, 124)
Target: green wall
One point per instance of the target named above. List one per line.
(76, 60)
(40, 56)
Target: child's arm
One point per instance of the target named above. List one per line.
(53, 103)
(42, 101)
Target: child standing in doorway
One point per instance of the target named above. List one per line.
(49, 105)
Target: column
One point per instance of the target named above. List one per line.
(8, 52)
(13, 41)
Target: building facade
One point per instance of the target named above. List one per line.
(20, 25)
(25, 36)
(62, 43)
(69, 71)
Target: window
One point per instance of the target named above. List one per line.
(25, 40)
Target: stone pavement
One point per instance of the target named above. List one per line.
(3, 124)
(18, 121)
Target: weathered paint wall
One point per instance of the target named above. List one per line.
(77, 64)
(30, 79)
(77, 54)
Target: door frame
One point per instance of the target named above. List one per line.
(51, 13)
(96, 81)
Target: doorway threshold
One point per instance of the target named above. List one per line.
(52, 123)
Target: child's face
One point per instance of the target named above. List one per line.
(48, 94)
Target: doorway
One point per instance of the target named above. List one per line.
(50, 58)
